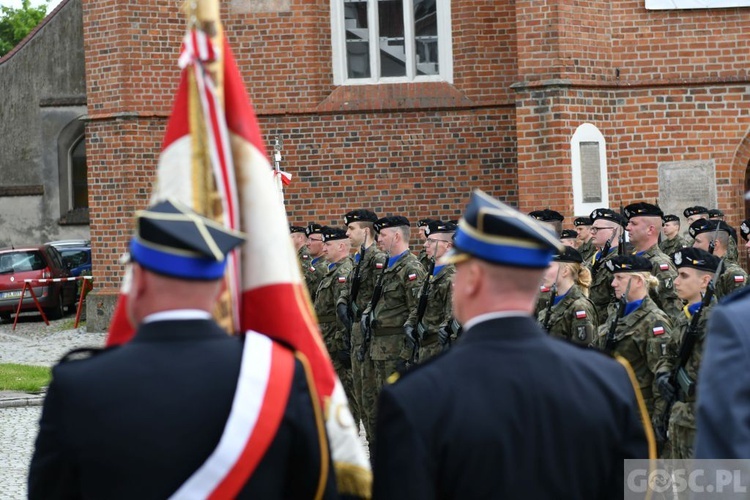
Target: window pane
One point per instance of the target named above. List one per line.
(80, 194)
(392, 49)
(357, 39)
(591, 177)
(425, 32)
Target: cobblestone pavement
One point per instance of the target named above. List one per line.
(32, 343)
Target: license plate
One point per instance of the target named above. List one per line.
(11, 295)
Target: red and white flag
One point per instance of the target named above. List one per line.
(263, 279)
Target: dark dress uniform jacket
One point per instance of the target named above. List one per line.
(136, 421)
(508, 413)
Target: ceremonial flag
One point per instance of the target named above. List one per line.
(215, 161)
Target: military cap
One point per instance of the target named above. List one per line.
(496, 233)
(582, 221)
(708, 226)
(628, 264)
(569, 254)
(333, 233)
(391, 221)
(314, 229)
(568, 234)
(715, 212)
(670, 218)
(607, 214)
(696, 210)
(296, 229)
(359, 216)
(642, 209)
(425, 222)
(546, 215)
(695, 258)
(172, 240)
(439, 227)
(745, 229)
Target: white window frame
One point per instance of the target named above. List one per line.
(445, 46)
(588, 132)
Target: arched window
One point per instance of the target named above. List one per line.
(588, 152)
(78, 187)
(73, 174)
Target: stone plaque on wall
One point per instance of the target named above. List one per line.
(685, 184)
(591, 172)
(254, 6)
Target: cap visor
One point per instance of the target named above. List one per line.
(453, 256)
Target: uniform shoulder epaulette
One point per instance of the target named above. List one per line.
(738, 294)
(401, 373)
(83, 353)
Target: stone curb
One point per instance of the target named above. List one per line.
(20, 400)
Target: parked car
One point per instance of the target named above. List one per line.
(35, 262)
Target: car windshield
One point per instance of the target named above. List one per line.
(20, 261)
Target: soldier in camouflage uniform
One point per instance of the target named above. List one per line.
(571, 315)
(336, 248)
(671, 239)
(422, 224)
(695, 270)
(437, 313)
(606, 228)
(644, 227)
(299, 240)
(400, 283)
(713, 237)
(695, 213)
(585, 243)
(642, 333)
(569, 237)
(361, 234)
(317, 267)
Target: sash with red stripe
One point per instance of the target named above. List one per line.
(257, 410)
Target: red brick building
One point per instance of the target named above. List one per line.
(458, 94)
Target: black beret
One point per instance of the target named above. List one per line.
(333, 233)
(670, 218)
(440, 227)
(391, 221)
(425, 222)
(745, 229)
(582, 221)
(642, 209)
(296, 229)
(568, 234)
(546, 215)
(569, 254)
(314, 229)
(696, 258)
(689, 211)
(607, 214)
(359, 216)
(628, 264)
(708, 226)
(715, 212)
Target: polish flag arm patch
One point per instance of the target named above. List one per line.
(342, 279)
(378, 265)
(658, 330)
(664, 267)
(580, 314)
(412, 276)
(739, 278)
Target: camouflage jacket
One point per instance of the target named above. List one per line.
(436, 314)
(664, 270)
(303, 255)
(670, 361)
(314, 272)
(587, 251)
(600, 291)
(732, 251)
(371, 268)
(326, 296)
(573, 318)
(641, 337)
(732, 278)
(671, 246)
(424, 259)
(401, 284)
(542, 300)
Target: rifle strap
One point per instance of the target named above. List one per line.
(645, 419)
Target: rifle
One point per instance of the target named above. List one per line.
(712, 243)
(424, 294)
(356, 279)
(552, 297)
(678, 377)
(609, 345)
(366, 318)
(605, 252)
(453, 328)
(621, 240)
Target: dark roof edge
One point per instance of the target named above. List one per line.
(33, 32)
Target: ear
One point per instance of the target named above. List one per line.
(473, 281)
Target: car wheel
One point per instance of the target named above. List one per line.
(55, 312)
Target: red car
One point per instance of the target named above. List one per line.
(36, 262)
